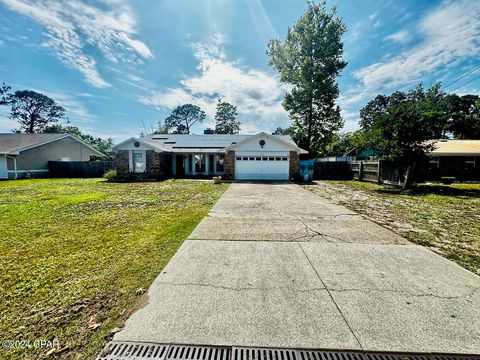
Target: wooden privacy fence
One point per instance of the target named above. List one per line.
(79, 169)
(378, 171)
(332, 170)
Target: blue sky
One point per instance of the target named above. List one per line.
(118, 67)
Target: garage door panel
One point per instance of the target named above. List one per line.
(262, 167)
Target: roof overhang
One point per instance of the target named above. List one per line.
(473, 154)
(271, 137)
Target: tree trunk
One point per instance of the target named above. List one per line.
(408, 177)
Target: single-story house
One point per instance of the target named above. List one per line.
(454, 158)
(242, 157)
(23, 154)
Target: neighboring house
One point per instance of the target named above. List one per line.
(22, 154)
(455, 158)
(242, 157)
(361, 154)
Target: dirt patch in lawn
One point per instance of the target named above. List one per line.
(444, 218)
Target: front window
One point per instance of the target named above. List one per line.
(138, 161)
(469, 162)
(199, 163)
(220, 163)
(434, 162)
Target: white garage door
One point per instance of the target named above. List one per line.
(261, 167)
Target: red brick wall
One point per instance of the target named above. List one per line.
(294, 164)
(122, 162)
(230, 165)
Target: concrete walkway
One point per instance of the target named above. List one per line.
(275, 265)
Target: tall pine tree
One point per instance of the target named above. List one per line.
(225, 122)
(309, 61)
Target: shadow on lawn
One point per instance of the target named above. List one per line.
(443, 190)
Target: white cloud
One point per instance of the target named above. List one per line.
(401, 36)
(72, 26)
(256, 93)
(451, 33)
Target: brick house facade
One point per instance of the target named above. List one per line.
(243, 157)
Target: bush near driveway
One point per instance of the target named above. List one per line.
(445, 218)
(76, 255)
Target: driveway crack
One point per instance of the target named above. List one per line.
(241, 288)
(331, 297)
(311, 233)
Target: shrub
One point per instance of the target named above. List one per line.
(111, 175)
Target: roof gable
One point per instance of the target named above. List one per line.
(282, 141)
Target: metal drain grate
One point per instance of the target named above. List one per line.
(133, 351)
(136, 351)
(248, 353)
(181, 352)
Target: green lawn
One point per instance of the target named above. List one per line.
(77, 255)
(445, 218)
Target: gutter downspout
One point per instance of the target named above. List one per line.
(14, 165)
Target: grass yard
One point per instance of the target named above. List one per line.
(77, 255)
(444, 218)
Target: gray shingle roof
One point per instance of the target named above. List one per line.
(11, 142)
(176, 142)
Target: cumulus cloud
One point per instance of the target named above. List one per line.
(450, 34)
(256, 93)
(72, 26)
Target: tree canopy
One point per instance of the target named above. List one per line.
(309, 61)
(225, 116)
(183, 118)
(459, 116)
(464, 122)
(33, 111)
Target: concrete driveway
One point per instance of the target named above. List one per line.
(275, 265)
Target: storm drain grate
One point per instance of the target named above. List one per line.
(248, 353)
(136, 351)
(182, 352)
(133, 351)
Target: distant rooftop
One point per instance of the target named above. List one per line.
(12, 142)
(456, 148)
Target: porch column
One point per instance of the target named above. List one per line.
(193, 163)
(174, 164)
(207, 164)
(215, 159)
(185, 163)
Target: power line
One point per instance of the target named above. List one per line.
(461, 77)
(468, 82)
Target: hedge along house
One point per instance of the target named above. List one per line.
(454, 158)
(242, 157)
(28, 154)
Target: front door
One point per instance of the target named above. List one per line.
(179, 166)
(3, 167)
